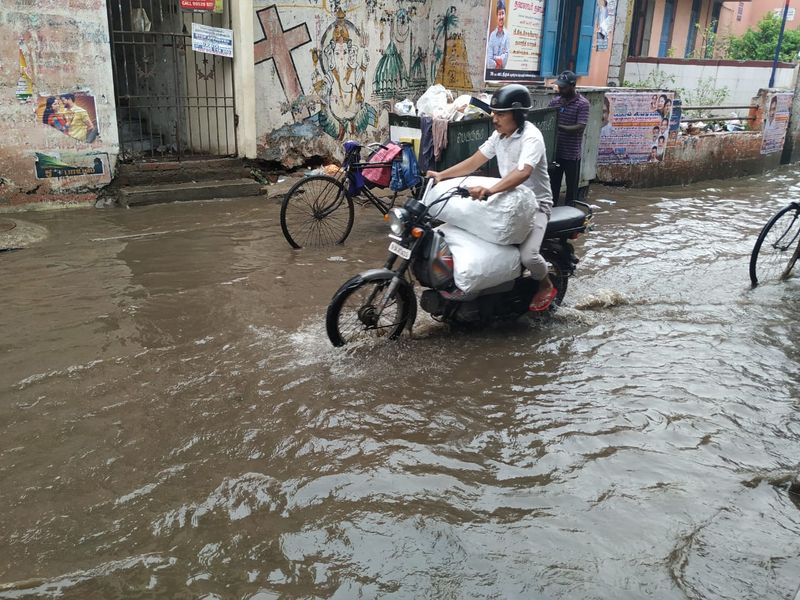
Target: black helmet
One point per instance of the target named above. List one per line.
(511, 97)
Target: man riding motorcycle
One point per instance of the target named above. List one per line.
(521, 159)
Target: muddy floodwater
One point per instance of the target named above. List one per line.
(174, 423)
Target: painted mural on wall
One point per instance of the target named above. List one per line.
(74, 114)
(394, 78)
(340, 75)
(450, 66)
(277, 45)
(776, 121)
(55, 165)
(340, 59)
(514, 40)
(635, 127)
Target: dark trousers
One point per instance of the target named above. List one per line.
(571, 170)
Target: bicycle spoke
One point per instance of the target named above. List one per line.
(360, 315)
(316, 212)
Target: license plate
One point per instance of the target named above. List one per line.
(396, 248)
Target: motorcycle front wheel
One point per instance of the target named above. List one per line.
(363, 309)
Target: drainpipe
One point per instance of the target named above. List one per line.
(620, 42)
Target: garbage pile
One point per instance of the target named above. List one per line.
(437, 108)
(733, 123)
(438, 103)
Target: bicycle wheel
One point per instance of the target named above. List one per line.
(775, 246)
(360, 309)
(316, 211)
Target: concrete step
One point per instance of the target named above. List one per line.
(202, 190)
(185, 171)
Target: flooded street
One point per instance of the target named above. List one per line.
(175, 424)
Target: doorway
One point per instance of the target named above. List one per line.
(172, 102)
(569, 36)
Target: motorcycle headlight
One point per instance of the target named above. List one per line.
(399, 220)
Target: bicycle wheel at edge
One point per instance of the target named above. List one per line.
(316, 211)
(355, 311)
(775, 245)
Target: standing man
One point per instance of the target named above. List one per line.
(497, 48)
(573, 114)
(79, 124)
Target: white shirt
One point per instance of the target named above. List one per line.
(517, 150)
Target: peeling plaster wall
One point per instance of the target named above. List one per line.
(324, 76)
(65, 46)
(697, 158)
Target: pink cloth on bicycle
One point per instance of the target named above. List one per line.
(382, 175)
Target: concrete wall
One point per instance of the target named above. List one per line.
(705, 156)
(742, 78)
(322, 78)
(65, 48)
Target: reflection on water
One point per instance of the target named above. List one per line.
(175, 423)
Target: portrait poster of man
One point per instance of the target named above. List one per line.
(776, 121)
(72, 113)
(513, 40)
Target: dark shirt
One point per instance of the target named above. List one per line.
(570, 112)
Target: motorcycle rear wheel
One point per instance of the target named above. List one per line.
(360, 310)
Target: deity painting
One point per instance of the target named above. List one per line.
(339, 77)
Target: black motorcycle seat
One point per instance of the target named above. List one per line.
(565, 218)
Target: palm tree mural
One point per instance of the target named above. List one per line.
(444, 24)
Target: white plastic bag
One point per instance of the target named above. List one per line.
(505, 218)
(458, 107)
(478, 264)
(405, 107)
(435, 102)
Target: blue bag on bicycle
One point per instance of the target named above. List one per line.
(405, 170)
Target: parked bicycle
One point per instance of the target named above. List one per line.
(319, 209)
(778, 246)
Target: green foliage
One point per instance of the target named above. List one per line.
(656, 80)
(760, 43)
(704, 93)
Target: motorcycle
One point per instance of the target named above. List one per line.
(383, 302)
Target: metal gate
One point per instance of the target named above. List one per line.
(172, 103)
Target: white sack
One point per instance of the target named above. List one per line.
(505, 218)
(478, 264)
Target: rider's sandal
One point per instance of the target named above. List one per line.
(543, 304)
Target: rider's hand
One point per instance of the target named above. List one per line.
(436, 175)
(478, 192)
